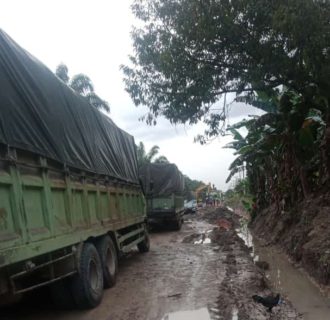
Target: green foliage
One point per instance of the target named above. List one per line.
(283, 152)
(274, 55)
(188, 53)
(190, 185)
(62, 72)
(239, 196)
(161, 159)
(83, 85)
(150, 156)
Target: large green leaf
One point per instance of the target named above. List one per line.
(232, 173)
(238, 162)
(315, 116)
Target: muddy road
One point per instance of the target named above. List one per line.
(202, 272)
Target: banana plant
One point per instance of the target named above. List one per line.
(281, 150)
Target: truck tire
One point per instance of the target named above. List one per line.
(61, 294)
(108, 255)
(178, 224)
(144, 246)
(87, 284)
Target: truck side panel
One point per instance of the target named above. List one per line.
(42, 208)
(11, 233)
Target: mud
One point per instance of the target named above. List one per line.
(293, 281)
(287, 277)
(303, 232)
(203, 272)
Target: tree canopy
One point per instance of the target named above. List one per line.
(190, 185)
(83, 85)
(145, 157)
(286, 154)
(188, 53)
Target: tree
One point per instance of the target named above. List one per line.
(150, 156)
(83, 85)
(188, 53)
(62, 72)
(190, 185)
(283, 152)
(161, 159)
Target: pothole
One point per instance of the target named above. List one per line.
(199, 314)
(199, 238)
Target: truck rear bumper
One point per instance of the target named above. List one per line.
(163, 217)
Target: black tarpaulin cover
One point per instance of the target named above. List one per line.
(39, 113)
(161, 179)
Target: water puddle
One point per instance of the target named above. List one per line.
(245, 234)
(204, 239)
(200, 238)
(288, 280)
(199, 314)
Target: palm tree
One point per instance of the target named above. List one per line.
(83, 85)
(62, 72)
(161, 159)
(149, 157)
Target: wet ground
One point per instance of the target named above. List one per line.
(203, 272)
(294, 283)
(289, 279)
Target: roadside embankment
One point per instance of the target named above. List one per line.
(243, 278)
(303, 232)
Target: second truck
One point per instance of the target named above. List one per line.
(163, 185)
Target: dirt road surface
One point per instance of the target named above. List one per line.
(203, 272)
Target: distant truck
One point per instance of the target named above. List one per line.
(70, 197)
(163, 185)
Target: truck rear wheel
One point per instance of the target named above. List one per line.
(87, 284)
(178, 224)
(108, 255)
(144, 246)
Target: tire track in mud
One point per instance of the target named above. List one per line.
(180, 273)
(242, 278)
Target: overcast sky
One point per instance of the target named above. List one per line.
(93, 37)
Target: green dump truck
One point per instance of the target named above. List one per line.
(70, 197)
(163, 185)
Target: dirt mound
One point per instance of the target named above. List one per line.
(216, 215)
(303, 232)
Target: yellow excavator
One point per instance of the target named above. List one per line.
(198, 191)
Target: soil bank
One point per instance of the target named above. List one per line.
(303, 232)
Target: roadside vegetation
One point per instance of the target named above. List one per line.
(238, 196)
(193, 58)
(286, 151)
(151, 156)
(275, 56)
(83, 85)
